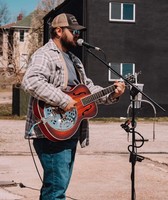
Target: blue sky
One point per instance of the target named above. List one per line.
(16, 6)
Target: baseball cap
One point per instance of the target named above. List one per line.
(66, 20)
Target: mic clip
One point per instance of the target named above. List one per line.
(125, 126)
(136, 157)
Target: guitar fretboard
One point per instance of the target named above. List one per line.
(94, 97)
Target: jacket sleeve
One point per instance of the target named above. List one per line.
(36, 81)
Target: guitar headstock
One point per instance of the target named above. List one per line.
(132, 77)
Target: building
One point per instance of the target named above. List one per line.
(14, 53)
(14, 47)
(134, 37)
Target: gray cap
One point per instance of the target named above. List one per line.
(66, 20)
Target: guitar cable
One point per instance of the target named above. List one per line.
(34, 161)
(21, 185)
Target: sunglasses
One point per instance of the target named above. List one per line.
(75, 32)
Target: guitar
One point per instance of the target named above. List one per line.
(56, 125)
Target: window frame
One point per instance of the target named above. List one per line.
(120, 71)
(121, 17)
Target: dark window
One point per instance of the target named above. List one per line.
(128, 12)
(116, 11)
(1, 44)
(21, 35)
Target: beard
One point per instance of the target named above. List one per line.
(66, 43)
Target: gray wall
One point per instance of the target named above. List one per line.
(144, 43)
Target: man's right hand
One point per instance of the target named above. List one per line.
(70, 105)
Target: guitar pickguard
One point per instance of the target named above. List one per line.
(62, 121)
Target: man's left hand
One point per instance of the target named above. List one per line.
(120, 88)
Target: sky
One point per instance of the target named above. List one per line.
(16, 6)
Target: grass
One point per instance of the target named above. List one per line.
(5, 109)
(6, 88)
(6, 113)
(115, 119)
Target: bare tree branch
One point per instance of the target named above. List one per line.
(45, 6)
(4, 13)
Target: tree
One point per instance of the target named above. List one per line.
(36, 32)
(4, 13)
(10, 70)
(10, 60)
(47, 5)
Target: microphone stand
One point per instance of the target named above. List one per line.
(134, 91)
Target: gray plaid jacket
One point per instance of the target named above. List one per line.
(46, 78)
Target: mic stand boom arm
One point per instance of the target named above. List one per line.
(134, 91)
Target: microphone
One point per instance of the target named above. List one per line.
(81, 42)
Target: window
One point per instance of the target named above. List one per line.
(121, 12)
(1, 43)
(21, 35)
(123, 69)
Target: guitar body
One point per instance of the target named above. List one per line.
(56, 125)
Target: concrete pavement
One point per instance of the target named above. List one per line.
(102, 171)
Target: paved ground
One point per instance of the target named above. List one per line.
(102, 170)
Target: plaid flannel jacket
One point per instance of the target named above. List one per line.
(46, 78)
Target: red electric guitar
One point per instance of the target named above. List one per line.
(56, 125)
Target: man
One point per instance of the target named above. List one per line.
(52, 70)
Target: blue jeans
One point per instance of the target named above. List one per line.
(57, 159)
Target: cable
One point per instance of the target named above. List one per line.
(21, 185)
(34, 160)
(133, 155)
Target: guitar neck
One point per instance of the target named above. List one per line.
(94, 97)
